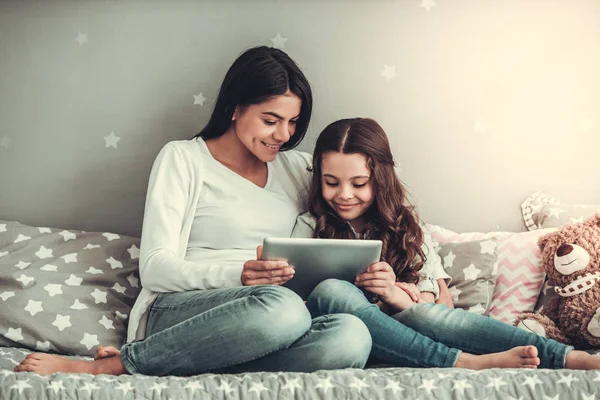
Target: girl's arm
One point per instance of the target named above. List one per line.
(445, 297)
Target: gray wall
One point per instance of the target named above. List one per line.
(492, 100)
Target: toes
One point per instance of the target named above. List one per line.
(529, 351)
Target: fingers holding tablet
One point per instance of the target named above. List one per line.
(262, 272)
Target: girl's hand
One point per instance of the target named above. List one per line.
(411, 289)
(445, 297)
(379, 278)
(261, 272)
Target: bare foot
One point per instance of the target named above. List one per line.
(46, 364)
(577, 359)
(517, 357)
(106, 351)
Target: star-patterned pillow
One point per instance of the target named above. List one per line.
(473, 267)
(65, 291)
(541, 211)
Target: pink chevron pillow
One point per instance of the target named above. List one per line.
(520, 275)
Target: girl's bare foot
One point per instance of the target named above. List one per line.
(577, 359)
(517, 357)
(46, 364)
(106, 351)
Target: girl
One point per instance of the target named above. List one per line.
(355, 193)
(210, 201)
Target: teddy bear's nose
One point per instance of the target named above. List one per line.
(564, 250)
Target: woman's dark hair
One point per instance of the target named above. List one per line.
(391, 218)
(255, 76)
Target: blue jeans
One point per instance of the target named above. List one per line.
(255, 328)
(428, 334)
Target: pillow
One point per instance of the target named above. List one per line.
(65, 291)
(541, 211)
(520, 276)
(473, 267)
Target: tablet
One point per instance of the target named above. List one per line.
(318, 259)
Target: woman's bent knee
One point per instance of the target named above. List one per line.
(284, 312)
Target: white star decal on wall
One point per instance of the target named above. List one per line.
(199, 99)
(62, 322)
(427, 4)
(53, 289)
(44, 253)
(389, 72)
(6, 295)
(22, 264)
(77, 305)
(81, 38)
(279, 41)
(5, 142)
(471, 272)
(89, 341)
(111, 140)
(33, 307)
(13, 334)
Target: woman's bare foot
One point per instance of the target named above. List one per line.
(46, 364)
(577, 359)
(106, 351)
(517, 357)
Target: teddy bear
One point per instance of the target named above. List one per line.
(571, 259)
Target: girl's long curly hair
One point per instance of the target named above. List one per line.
(391, 218)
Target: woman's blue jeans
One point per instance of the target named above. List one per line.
(255, 328)
(427, 334)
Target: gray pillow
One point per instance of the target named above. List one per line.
(65, 291)
(473, 266)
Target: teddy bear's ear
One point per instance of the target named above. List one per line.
(543, 240)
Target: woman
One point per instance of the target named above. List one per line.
(206, 304)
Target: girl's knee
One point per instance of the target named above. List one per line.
(335, 296)
(350, 342)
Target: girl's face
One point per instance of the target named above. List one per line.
(263, 128)
(346, 186)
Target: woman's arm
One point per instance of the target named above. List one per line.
(162, 267)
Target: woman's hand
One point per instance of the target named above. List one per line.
(261, 272)
(411, 289)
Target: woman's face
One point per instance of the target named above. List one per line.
(347, 186)
(263, 128)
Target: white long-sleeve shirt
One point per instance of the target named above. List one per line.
(202, 221)
(430, 272)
